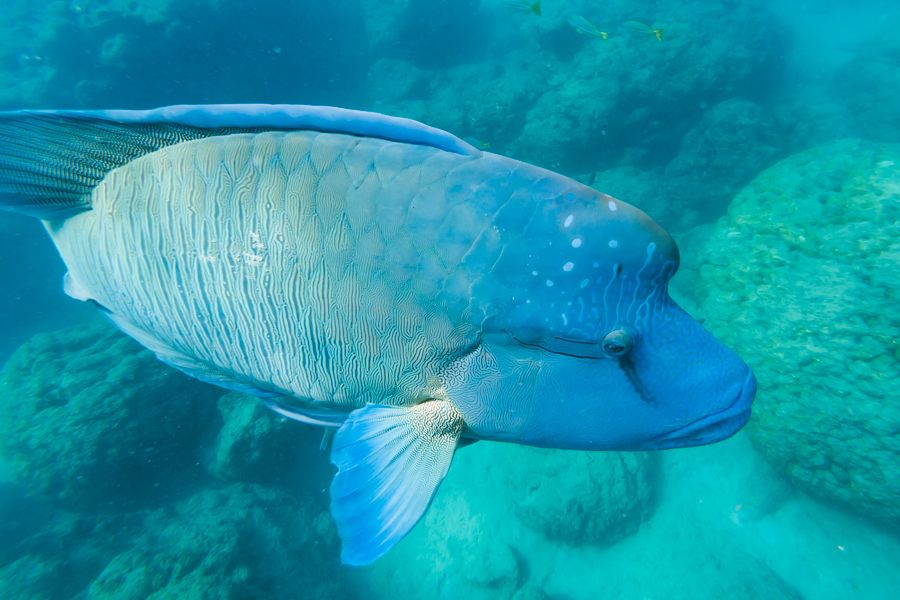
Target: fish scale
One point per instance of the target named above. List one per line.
(167, 304)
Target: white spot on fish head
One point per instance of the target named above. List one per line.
(584, 283)
(613, 243)
(651, 248)
(565, 319)
(612, 206)
(549, 283)
(568, 266)
(576, 243)
(568, 222)
(534, 273)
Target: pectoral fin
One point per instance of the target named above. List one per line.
(390, 462)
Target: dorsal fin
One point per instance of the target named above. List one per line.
(289, 117)
(50, 161)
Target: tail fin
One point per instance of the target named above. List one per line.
(50, 162)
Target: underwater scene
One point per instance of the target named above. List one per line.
(179, 288)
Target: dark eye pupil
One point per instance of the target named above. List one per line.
(615, 348)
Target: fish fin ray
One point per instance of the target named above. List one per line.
(74, 289)
(322, 417)
(51, 161)
(390, 463)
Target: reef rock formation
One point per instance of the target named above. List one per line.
(801, 278)
(618, 101)
(91, 421)
(255, 444)
(733, 141)
(242, 541)
(579, 497)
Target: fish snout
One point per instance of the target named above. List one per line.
(718, 425)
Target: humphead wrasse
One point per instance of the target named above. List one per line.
(379, 277)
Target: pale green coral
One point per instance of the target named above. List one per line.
(579, 497)
(242, 541)
(90, 420)
(255, 444)
(802, 279)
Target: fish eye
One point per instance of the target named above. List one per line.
(617, 342)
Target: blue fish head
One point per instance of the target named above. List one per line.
(584, 347)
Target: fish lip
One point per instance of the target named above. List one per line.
(724, 423)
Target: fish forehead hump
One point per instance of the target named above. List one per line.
(323, 266)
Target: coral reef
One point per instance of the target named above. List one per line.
(254, 444)
(241, 541)
(580, 497)
(91, 421)
(95, 424)
(801, 278)
(732, 142)
(504, 504)
(618, 101)
(61, 560)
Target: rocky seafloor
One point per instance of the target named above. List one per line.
(125, 479)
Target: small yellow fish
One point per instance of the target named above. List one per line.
(656, 31)
(585, 27)
(478, 143)
(531, 6)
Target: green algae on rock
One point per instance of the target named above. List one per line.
(802, 279)
(91, 421)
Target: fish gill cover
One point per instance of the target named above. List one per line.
(760, 134)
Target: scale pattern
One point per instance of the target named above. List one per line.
(320, 266)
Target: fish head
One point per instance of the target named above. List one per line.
(586, 349)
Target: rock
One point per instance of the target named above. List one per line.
(733, 141)
(579, 497)
(614, 101)
(254, 444)
(61, 560)
(503, 509)
(31, 578)
(93, 422)
(801, 279)
(456, 551)
(241, 541)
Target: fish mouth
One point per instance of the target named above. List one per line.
(716, 426)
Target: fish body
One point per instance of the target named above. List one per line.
(336, 271)
(585, 27)
(378, 277)
(527, 6)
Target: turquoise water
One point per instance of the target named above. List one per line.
(764, 136)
